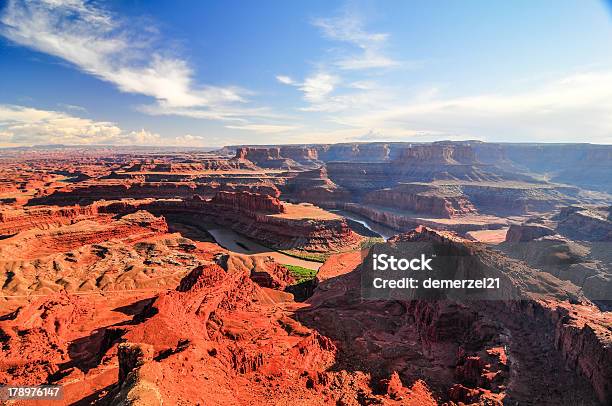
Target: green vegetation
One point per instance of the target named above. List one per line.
(323, 256)
(300, 273)
(370, 241)
(308, 256)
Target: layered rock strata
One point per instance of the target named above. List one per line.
(446, 202)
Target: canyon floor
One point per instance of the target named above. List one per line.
(149, 276)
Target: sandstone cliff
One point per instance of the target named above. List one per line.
(444, 202)
(314, 186)
(113, 190)
(248, 202)
(586, 223)
(260, 217)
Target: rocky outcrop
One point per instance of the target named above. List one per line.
(203, 164)
(272, 275)
(364, 152)
(436, 153)
(489, 345)
(405, 221)
(223, 321)
(285, 232)
(259, 217)
(513, 199)
(266, 157)
(585, 223)
(36, 338)
(585, 263)
(249, 202)
(301, 154)
(446, 202)
(131, 251)
(584, 341)
(36, 243)
(527, 232)
(89, 193)
(132, 356)
(15, 220)
(314, 186)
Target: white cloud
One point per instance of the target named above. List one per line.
(318, 86)
(109, 48)
(358, 104)
(221, 113)
(328, 89)
(349, 29)
(318, 91)
(286, 80)
(189, 140)
(21, 125)
(576, 108)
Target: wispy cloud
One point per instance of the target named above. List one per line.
(20, 125)
(318, 86)
(326, 92)
(343, 82)
(72, 107)
(263, 128)
(369, 46)
(356, 101)
(284, 79)
(110, 48)
(574, 108)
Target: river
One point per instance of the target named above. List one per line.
(235, 242)
(383, 231)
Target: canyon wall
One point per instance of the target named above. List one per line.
(15, 220)
(265, 157)
(405, 221)
(248, 202)
(446, 202)
(89, 193)
(586, 223)
(583, 165)
(314, 186)
(258, 217)
(507, 200)
(437, 153)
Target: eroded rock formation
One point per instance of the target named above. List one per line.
(586, 223)
(126, 298)
(248, 202)
(444, 202)
(477, 352)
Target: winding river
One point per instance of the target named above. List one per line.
(381, 230)
(235, 242)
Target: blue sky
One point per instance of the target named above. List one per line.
(203, 73)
